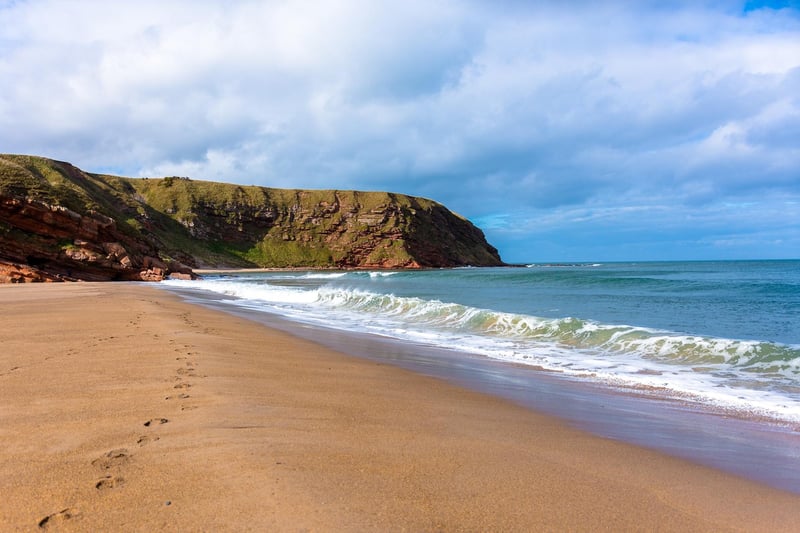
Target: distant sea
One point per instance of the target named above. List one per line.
(720, 337)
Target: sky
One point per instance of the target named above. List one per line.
(567, 131)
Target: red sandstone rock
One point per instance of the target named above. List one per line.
(42, 242)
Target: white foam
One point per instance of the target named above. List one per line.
(250, 291)
(324, 275)
(381, 274)
(689, 366)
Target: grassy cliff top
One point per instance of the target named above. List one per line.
(61, 183)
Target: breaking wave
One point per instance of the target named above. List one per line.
(742, 374)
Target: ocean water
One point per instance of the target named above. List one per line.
(720, 335)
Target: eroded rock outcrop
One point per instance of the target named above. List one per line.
(45, 242)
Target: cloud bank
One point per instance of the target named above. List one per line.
(568, 131)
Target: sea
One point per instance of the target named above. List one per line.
(671, 355)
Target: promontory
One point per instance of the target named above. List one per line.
(60, 223)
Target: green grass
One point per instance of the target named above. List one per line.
(283, 254)
(222, 224)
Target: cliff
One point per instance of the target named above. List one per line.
(58, 222)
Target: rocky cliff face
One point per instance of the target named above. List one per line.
(58, 222)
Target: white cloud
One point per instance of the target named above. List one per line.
(491, 108)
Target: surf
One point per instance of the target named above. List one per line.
(749, 376)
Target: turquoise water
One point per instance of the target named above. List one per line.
(721, 334)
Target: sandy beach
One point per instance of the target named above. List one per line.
(123, 408)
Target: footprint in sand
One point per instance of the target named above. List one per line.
(146, 439)
(10, 370)
(183, 386)
(55, 519)
(114, 458)
(109, 482)
(136, 321)
(155, 422)
(181, 396)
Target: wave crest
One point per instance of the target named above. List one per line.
(570, 332)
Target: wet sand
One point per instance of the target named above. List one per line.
(123, 408)
(739, 443)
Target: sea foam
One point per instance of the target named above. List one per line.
(752, 376)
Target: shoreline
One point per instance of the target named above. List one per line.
(717, 370)
(750, 445)
(126, 407)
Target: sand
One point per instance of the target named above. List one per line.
(123, 408)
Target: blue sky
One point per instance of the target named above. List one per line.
(568, 131)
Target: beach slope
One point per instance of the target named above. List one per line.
(123, 408)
